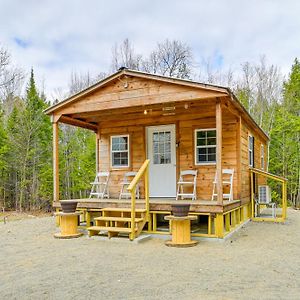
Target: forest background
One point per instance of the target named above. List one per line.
(26, 183)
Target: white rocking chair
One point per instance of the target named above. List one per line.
(182, 182)
(100, 188)
(124, 185)
(227, 181)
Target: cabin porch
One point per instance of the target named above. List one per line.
(234, 213)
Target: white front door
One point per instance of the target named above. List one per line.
(161, 150)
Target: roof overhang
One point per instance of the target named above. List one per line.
(217, 91)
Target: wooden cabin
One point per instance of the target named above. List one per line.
(178, 125)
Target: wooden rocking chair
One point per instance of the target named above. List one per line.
(182, 182)
(124, 185)
(228, 181)
(100, 188)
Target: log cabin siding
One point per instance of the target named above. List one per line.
(186, 123)
(258, 141)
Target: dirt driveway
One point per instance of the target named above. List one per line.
(261, 261)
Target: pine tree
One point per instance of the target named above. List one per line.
(285, 136)
(30, 149)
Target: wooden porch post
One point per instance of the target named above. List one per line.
(55, 163)
(97, 151)
(219, 152)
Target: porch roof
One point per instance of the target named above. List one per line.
(201, 91)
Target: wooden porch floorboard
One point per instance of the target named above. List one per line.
(158, 204)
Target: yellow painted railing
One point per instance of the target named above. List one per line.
(282, 180)
(143, 171)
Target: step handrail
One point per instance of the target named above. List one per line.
(282, 180)
(143, 171)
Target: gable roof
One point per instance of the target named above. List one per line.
(184, 82)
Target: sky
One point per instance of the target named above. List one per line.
(57, 37)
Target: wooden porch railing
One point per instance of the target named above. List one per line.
(282, 180)
(143, 171)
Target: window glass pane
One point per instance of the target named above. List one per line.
(117, 155)
(201, 142)
(212, 157)
(116, 159)
(124, 162)
(123, 139)
(201, 134)
(155, 148)
(211, 150)
(168, 147)
(155, 136)
(161, 159)
(202, 158)
(156, 159)
(161, 148)
(124, 155)
(211, 141)
(211, 133)
(202, 150)
(161, 136)
(115, 147)
(168, 136)
(168, 158)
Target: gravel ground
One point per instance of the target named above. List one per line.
(260, 261)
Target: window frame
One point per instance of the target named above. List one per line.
(123, 151)
(262, 156)
(251, 163)
(196, 130)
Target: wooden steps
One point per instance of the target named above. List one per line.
(120, 209)
(118, 220)
(112, 229)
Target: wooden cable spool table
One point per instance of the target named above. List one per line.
(181, 231)
(68, 225)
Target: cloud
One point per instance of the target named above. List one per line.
(21, 43)
(57, 37)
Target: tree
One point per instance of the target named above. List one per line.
(170, 58)
(29, 151)
(259, 89)
(124, 55)
(285, 135)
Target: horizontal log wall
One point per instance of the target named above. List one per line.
(185, 123)
(258, 141)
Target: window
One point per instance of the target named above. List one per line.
(119, 148)
(262, 157)
(161, 147)
(205, 146)
(251, 150)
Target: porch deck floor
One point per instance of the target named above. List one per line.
(157, 204)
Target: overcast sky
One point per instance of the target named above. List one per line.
(58, 37)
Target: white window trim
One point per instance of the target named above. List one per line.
(262, 157)
(251, 150)
(195, 147)
(111, 151)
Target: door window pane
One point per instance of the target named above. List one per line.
(161, 147)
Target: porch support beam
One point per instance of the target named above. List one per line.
(55, 162)
(219, 152)
(78, 123)
(97, 151)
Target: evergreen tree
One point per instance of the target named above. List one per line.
(285, 136)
